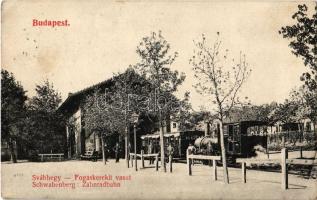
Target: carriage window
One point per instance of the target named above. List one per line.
(237, 147)
(308, 126)
(230, 146)
(230, 127)
(257, 130)
(236, 133)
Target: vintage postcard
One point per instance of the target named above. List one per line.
(135, 99)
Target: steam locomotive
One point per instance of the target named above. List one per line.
(241, 139)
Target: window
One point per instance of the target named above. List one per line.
(174, 125)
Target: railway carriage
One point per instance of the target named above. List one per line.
(241, 139)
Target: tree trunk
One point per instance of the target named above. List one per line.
(126, 143)
(12, 152)
(315, 132)
(163, 165)
(103, 150)
(223, 155)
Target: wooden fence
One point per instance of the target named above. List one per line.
(284, 161)
(192, 157)
(134, 157)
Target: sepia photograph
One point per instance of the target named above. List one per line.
(136, 99)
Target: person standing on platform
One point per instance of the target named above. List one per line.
(106, 152)
(191, 150)
(116, 150)
(170, 151)
(150, 151)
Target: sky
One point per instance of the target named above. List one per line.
(103, 36)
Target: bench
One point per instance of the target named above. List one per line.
(51, 156)
(89, 155)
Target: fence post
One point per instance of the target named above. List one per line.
(142, 158)
(170, 162)
(301, 152)
(189, 163)
(128, 160)
(284, 155)
(156, 162)
(214, 165)
(244, 172)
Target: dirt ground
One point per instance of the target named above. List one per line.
(18, 181)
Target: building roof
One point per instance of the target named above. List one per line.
(73, 100)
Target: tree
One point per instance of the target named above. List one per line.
(45, 128)
(252, 112)
(306, 101)
(221, 79)
(13, 109)
(100, 117)
(304, 42)
(109, 112)
(128, 91)
(155, 66)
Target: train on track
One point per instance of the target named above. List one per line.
(241, 140)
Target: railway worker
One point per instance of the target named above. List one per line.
(150, 151)
(116, 150)
(106, 152)
(170, 150)
(94, 155)
(209, 149)
(191, 149)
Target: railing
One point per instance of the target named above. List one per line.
(134, 156)
(192, 157)
(292, 137)
(284, 161)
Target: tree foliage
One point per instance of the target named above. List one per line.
(13, 109)
(155, 65)
(111, 110)
(306, 101)
(252, 113)
(156, 61)
(13, 100)
(217, 76)
(45, 125)
(303, 36)
(221, 79)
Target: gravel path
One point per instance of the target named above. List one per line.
(25, 180)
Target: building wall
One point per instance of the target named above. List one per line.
(174, 126)
(93, 142)
(75, 130)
